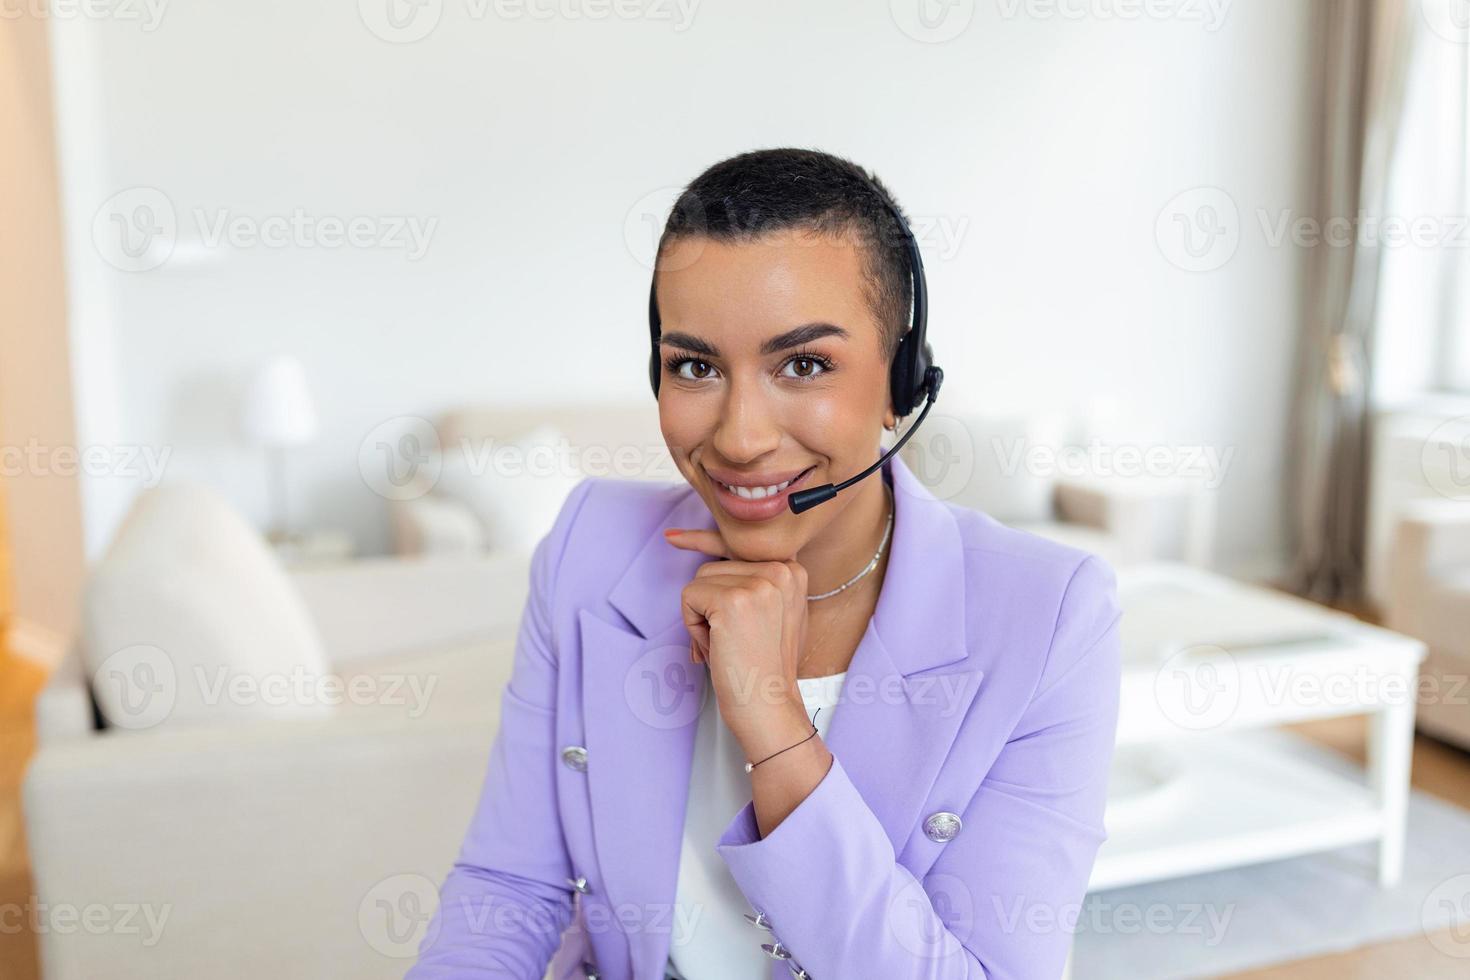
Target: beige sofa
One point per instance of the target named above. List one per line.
(302, 844)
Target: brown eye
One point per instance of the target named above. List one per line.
(805, 367)
(677, 366)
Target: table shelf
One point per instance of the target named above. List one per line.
(1239, 799)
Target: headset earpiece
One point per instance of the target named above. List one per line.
(655, 365)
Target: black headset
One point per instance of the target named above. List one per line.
(912, 375)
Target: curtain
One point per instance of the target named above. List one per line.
(1364, 50)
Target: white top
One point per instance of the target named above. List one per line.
(711, 939)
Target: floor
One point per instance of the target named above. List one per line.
(1439, 769)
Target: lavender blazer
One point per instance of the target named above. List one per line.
(985, 686)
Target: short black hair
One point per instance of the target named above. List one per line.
(762, 191)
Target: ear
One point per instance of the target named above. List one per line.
(890, 421)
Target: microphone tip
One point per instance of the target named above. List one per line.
(807, 499)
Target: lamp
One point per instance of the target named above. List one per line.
(278, 413)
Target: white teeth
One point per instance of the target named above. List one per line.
(756, 493)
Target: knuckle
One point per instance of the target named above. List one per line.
(739, 600)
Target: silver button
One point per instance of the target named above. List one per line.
(580, 884)
(759, 919)
(575, 757)
(943, 826)
(797, 971)
(776, 951)
(590, 969)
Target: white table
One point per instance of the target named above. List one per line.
(1206, 660)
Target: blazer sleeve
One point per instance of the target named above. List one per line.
(1002, 900)
(506, 901)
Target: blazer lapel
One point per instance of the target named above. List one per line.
(906, 692)
(909, 685)
(641, 699)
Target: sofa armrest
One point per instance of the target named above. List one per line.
(64, 705)
(296, 849)
(1151, 519)
(1438, 532)
(434, 524)
(393, 605)
(1430, 537)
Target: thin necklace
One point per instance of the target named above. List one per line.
(872, 564)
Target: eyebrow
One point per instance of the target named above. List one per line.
(795, 337)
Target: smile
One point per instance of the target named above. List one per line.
(755, 493)
(750, 501)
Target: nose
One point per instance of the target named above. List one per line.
(748, 428)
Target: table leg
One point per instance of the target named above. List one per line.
(1390, 755)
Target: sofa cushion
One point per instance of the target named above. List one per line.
(515, 486)
(189, 619)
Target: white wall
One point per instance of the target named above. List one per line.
(1052, 141)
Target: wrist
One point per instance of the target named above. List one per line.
(778, 731)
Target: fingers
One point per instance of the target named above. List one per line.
(697, 539)
(788, 576)
(693, 606)
(770, 590)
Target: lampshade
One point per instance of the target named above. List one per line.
(278, 409)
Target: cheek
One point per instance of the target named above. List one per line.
(842, 415)
(683, 424)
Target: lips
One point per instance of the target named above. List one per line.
(750, 498)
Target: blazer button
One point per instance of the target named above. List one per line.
(575, 757)
(579, 883)
(759, 919)
(797, 972)
(943, 826)
(590, 969)
(776, 951)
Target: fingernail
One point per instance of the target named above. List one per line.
(669, 532)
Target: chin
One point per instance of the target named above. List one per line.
(758, 542)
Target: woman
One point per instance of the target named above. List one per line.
(868, 740)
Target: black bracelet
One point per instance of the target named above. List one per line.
(751, 765)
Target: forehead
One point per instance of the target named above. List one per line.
(753, 288)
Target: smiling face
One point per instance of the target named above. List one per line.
(773, 368)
